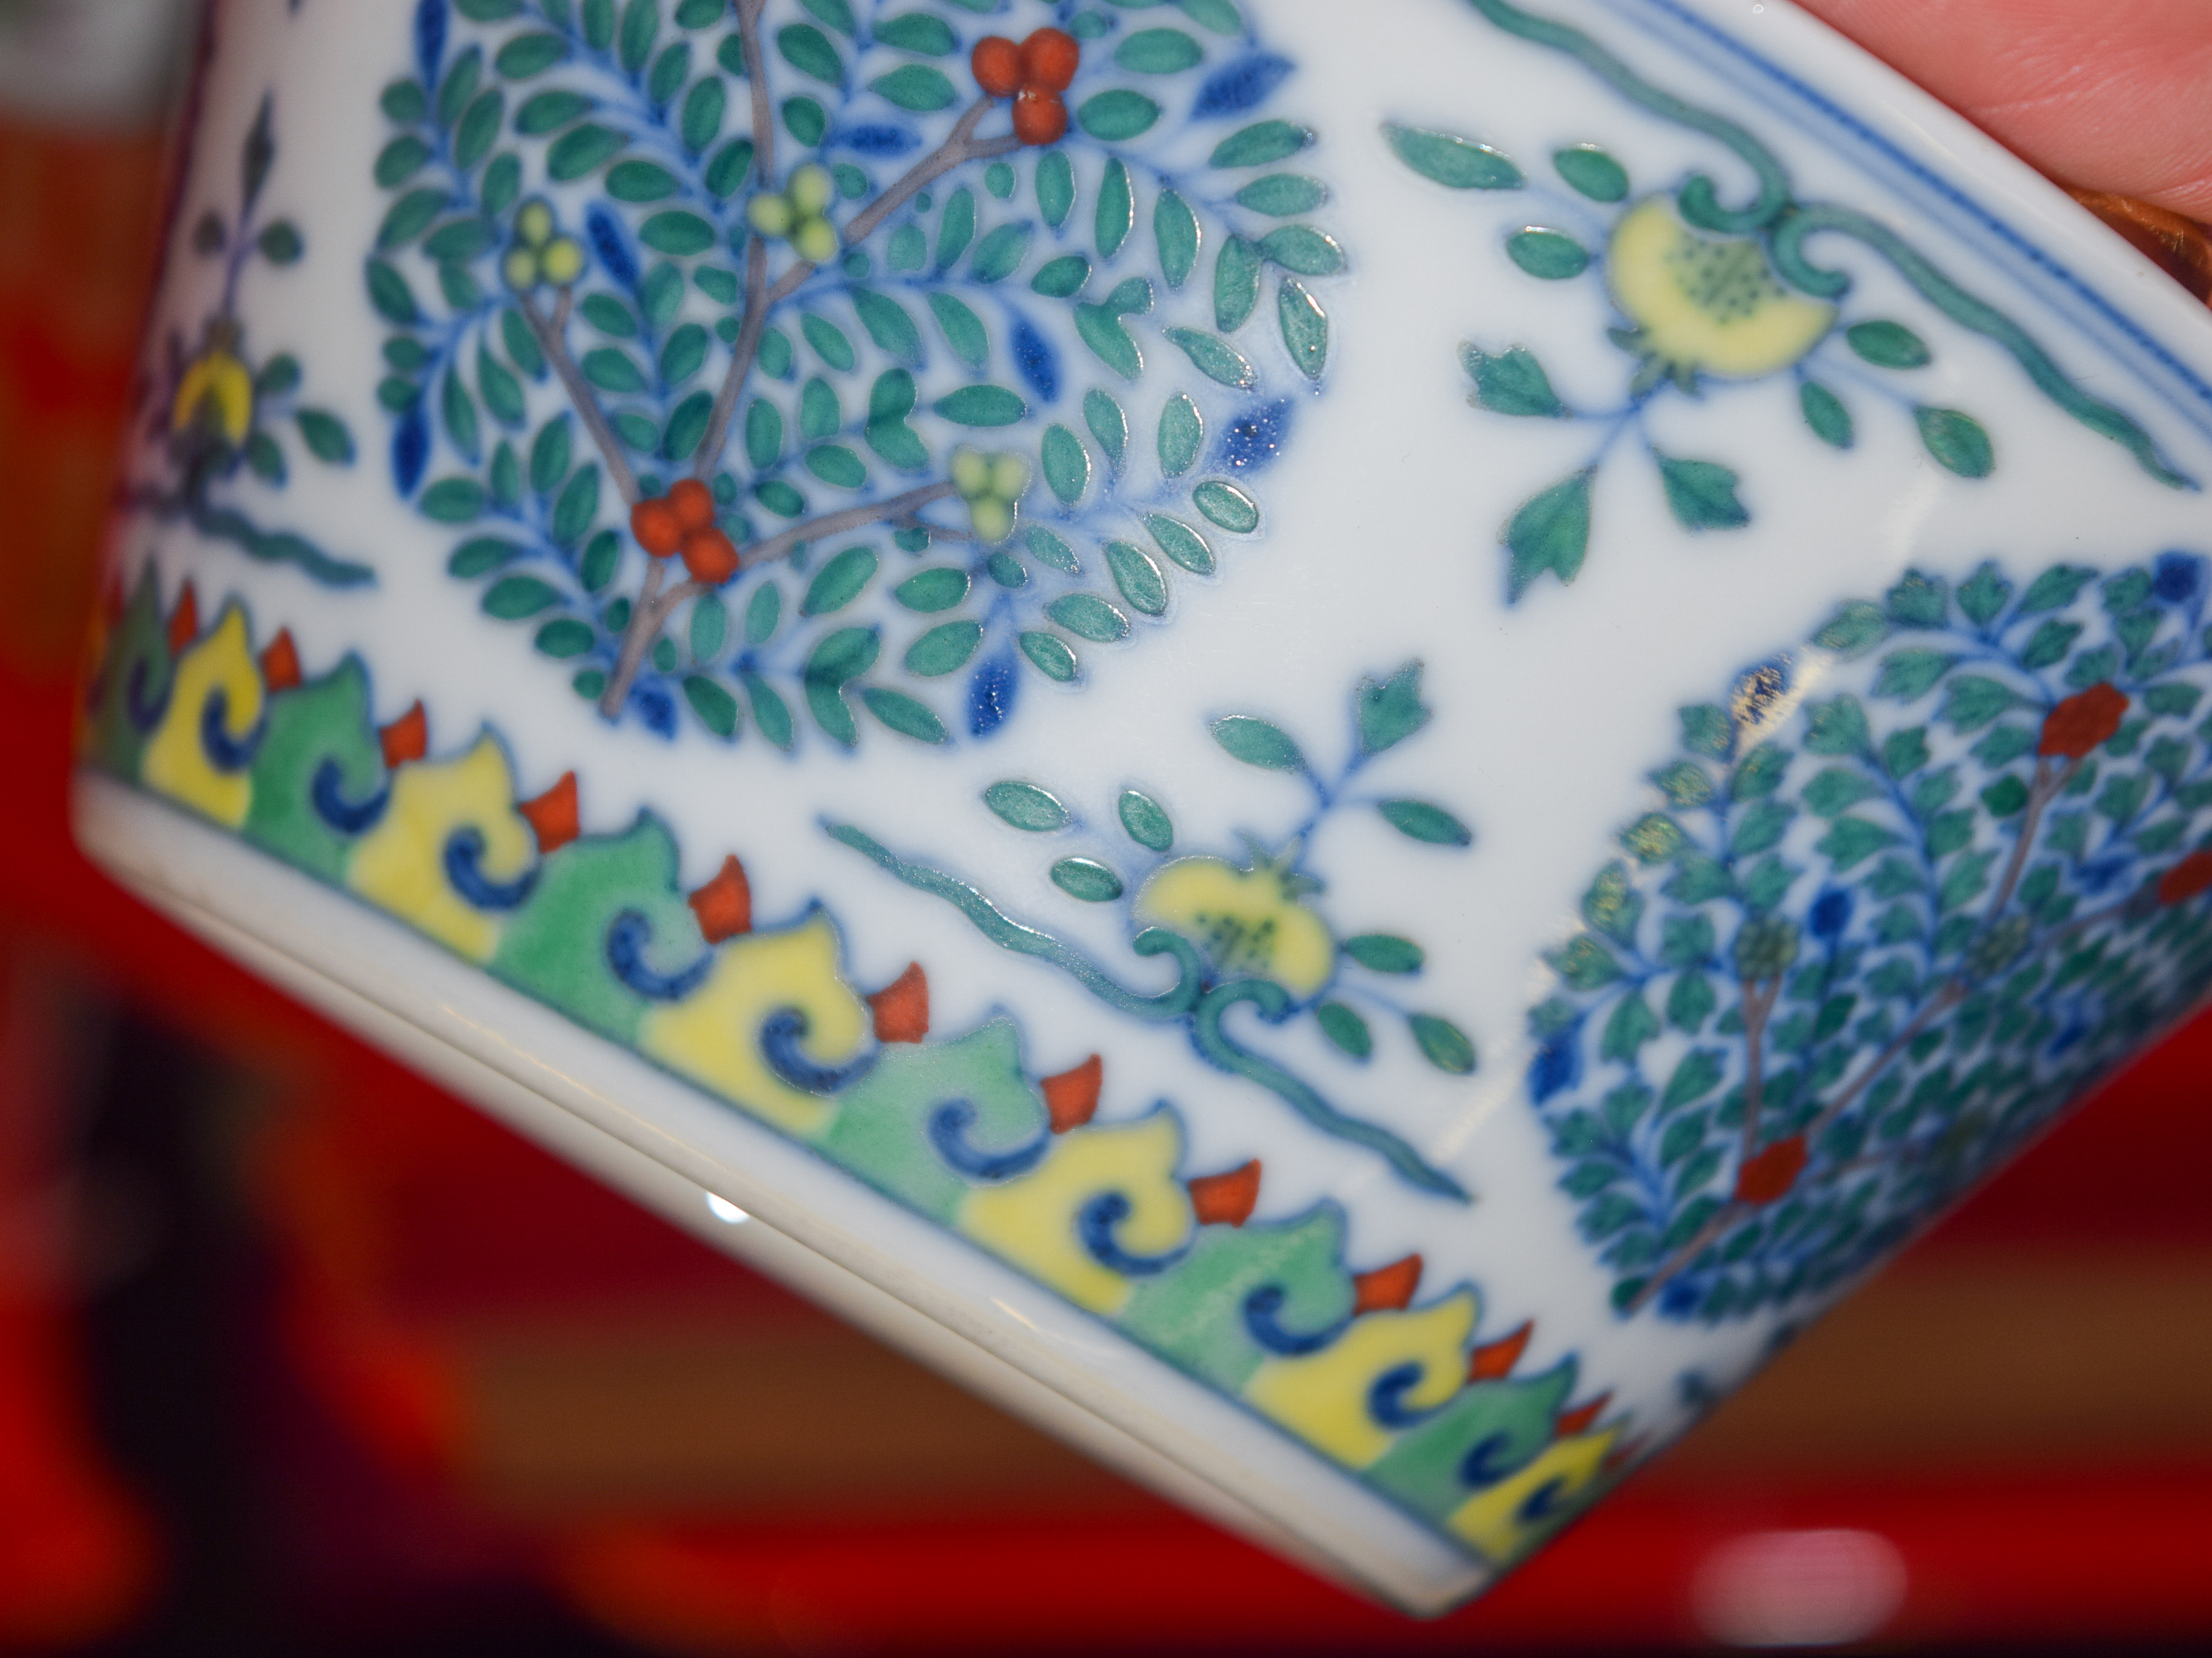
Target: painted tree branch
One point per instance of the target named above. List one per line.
(962, 146)
(548, 331)
(760, 300)
(2049, 783)
(748, 17)
(656, 602)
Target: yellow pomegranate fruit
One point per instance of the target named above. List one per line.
(1707, 305)
(1248, 921)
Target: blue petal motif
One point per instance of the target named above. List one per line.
(627, 942)
(654, 706)
(1831, 913)
(327, 795)
(948, 1134)
(1254, 438)
(1243, 83)
(410, 448)
(1038, 362)
(431, 42)
(2178, 577)
(991, 693)
(1263, 1311)
(224, 751)
(464, 873)
(612, 247)
(1558, 1065)
(877, 140)
(1095, 1226)
(145, 711)
(1485, 1462)
(779, 1046)
(1386, 1400)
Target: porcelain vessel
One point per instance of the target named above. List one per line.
(1342, 748)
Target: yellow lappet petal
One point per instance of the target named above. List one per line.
(177, 762)
(400, 866)
(1506, 1521)
(1035, 1222)
(1712, 303)
(219, 384)
(714, 1035)
(1327, 1398)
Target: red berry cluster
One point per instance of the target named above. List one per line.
(682, 521)
(2080, 722)
(1033, 74)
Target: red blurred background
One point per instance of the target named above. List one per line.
(299, 1354)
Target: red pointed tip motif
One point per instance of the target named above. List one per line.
(1578, 1420)
(1497, 1358)
(725, 905)
(1226, 1200)
(2186, 878)
(280, 663)
(405, 738)
(1387, 1289)
(902, 1007)
(1071, 1098)
(184, 620)
(1767, 1177)
(1621, 1456)
(553, 815)
(2082, 721)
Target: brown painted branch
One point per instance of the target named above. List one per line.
(1757, 1005)
(748, 17)
(547, 333)
(780, 545)
(1942, 1002)
(637, 639)
(1729, 1213)
(2049, 783)
(962, 146)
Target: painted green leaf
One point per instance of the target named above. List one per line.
(389, 293)
(453, 501)
(1181, 542)
(527, 55)
(1592, 172)
(410, 217)
(1159, 51)
(1237, 271)
(1260, 144)
(1102, 331)
(1888, 345)
(1214, 357)
(1115, 117)
(580, 150)
(1957, 441)
(1305, 327)
(684, 354)
(1174, 228)
(325, 436)
(839, 582)
(1390, 710)
(640, 181)
(982, 405)
(1443, 1044)
(962, 328)
(1048, 549)
(716, 709)
(549, 112)
(936, 589)
(1282, 194)
(807, 50)
(1058, 278)
(1910, 675)
(1825, 414)
(1420, 821)
(1256, 743)
(836, 465)
(1383, 952)
(1055, 187)
(830, 343)
(1511, 382)
(400, 160)
(576, 507)
(916, 31)
(1088, 880)
(943, 649)
(956, 226)
(770, 712)
(1226, 505)
(1701, 493)
(888, 324)
(1066, 464)
(999, 254)
(1145, 820)
(1550, 533)
(1181, 435)
(1050, 655)
(678, 234)
(1108, 424)
(1551, 255)
(1116, 212)
(1345, 1029)
(904, 714)
(916, 87)
(703, 109)
(1139, 580)
(1460, 163)
(729, 169)
(512, 597)
(564, 637)
(1302, 249)
(1027, 807)
(1088, 616)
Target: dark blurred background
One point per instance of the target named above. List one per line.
(299, 1355)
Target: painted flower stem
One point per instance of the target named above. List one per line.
(760, 300)
(549, 332)
(748, 17)
(779, 545)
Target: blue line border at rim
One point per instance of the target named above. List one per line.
(2195, 407)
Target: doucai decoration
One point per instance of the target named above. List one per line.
(219, 419)
(1391, 1380)
(1710, 295)
(846, 365)
(1242, 930)
(1901, 897)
